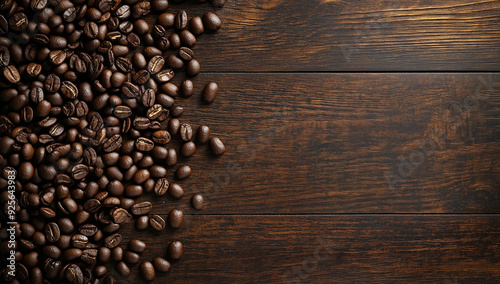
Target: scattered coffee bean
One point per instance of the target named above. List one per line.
(197, 201)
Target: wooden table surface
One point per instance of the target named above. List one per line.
(363, 145)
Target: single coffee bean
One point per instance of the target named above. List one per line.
(117, 254)
(88, 230)
(121, 215)
(175, 191)
(73, 274)
(123, 269)
(161, 264)
(175, 250)
(161, 186)
(113, 240)
(210, 92)
(11, 74)
(188, 149)
(144, 144)
(155, 64)
(183, 172)
(174, 62)
(142, 208)
(157, 222)
(122, 112)
(193, 68)
(148, 98)
(196, 26)
(186, 132)
(181, 20)
(187, 38)
(113, 143)
(52, 232)
(89, 256)
(79, 241)
(142, 223)
(175, 218)
(197, 201)
(203, 134)
(211, 22)
(216, 146)
(165, 75)
(161, 137)
(131, 257)
(136, 245)
(155, 111)
(147, 271)
(131, 90)
(72, 254)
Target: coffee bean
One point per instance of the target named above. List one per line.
(144, 144)
(161, 264)
(123, 269)
(121, 215)
(131, 257)
(136, 245)
(210, 92)
(142, 223)
(142, 208)
(79, 241)
(88, 230)
(52, 232)
(181, 20)
(18, 22)
(186, 132)
(131, 90)
(79, 171)
(117, 254)
(211, 21)
(11, 74)
(113, 240)
(188, 149)
(165, 75)
(157, 222)
(175, 218)
(161, 186)
(187, 38)
(174, 62)
(193, 68)
(122, 112)
(183, 172)
(155, 64)
(197, 201)
(73, 274)
(113, 143)
(186, 53)
(147, 271)
(175, 250)
(216, 146)
(155, 111)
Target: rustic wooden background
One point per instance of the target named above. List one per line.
(320, 103)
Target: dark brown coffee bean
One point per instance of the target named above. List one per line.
(57, 57)
(113, 240)
(131, 90)
(175, 218)
(142, 223)
(33, 69)
(89, 256)
(187, 38)
(79, 241)
(147, 271)
(211, 22)
(136, 245)
(181, 20)
(210, 92)
(121, 215)
(157, 222)
(144, 144)
(193, 68)
(186, 132)
(161, 137)
(113, 143)
(73, 274)
(203, 134)
(187, 88)
(155, 64)
(142, 208)
(123, 269)
(141, 77)
(188, 149)
(186, 53)
(141, 123)
(161, 264)
(18, 22)
(155, 111)
(52, 232)
(79, 171)
(183, 172)
(81, 109)
(197, 201)
(52, 83)
(91, 29)
(174, 62)
(175, 191)
(72, 254)
(88, 230)
(166, 20)
(175, 250)
(217, 146)
(122, 112)
(165, 75)
(161, 186)
(57, 42)
(11, 74)
(196, 26)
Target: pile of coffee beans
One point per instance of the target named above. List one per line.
(88, 116)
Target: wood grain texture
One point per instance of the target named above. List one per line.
(375, 35)
(349, 249)
(324, 143)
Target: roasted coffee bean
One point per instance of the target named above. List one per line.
(186, 132)
(175, 218)
(88, 230)
(197, 202)
(161, 264)
(144, 144)
(211, 21)
(203, 134)
(161, 186)
(186, 53)
(181, 20)
(113, 240)
(142, 208)
(141, 77)
(161, 137)
(196, 26)
(157, 222)
(210, 92)
(136, 245)
(131, 90)
(216, 146)
(174, 62)
(155, 64)
(193, 68)
(155, 111)
(11, 74)
(187, 88)
(188, 149)
(113, 143)
(165, 75)
(123, 269)
(183, 172)
(89, 256)
(147, 271)
(79, 241)
(52, 232)
(121, 215)
(177, 111)
(122, 112)
(175, 250)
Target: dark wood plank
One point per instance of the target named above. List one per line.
(361, 249)
(323, 143)
(331, 35)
